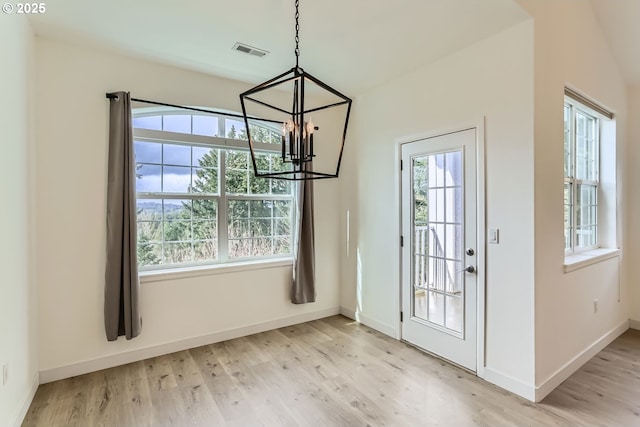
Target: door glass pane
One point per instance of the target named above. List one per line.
(435, 309)
(437, 239)
(454, 313)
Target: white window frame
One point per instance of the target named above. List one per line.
(573, 182)
(222, 198)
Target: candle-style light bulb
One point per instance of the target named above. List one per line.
(291, 136)
(284, 141)
(310, 128)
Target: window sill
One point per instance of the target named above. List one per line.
(583, 259)
(151, 276)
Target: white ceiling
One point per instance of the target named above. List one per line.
(620, 23)
(351, 45)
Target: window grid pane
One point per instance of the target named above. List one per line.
(259, 227)
(586, 215)
(180, 123)
(175, 168)
(586, 149)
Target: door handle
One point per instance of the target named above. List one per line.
(468, 269)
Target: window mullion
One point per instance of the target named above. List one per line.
(223, 206)
(221, 127)
(574, 138)
(597, 136)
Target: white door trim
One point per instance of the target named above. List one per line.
(478, 125)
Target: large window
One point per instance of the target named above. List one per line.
(197, 199)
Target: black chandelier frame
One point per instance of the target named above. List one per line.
(302, 168)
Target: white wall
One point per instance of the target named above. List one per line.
(71, 182)
(491, 79)
(570, 49)
(18, 328)
(633, 205)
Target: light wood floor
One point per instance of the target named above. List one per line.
(331, 372)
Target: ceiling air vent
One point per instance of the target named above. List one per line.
(250, 50)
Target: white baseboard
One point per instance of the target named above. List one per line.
(347, 312)
(378, 326)
(370, 322)
(507, 382)
(84, 367)
(574, 364)
(634, 324)
(19, 418)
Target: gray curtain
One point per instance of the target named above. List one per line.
(121, 315)
(304, 264)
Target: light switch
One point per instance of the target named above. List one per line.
(494, 236)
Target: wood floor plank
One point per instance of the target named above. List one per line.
(331, 372)
(217, 367)
(265, 407)
(168, 407)
(200, 406)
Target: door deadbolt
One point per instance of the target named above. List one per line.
(470, 251)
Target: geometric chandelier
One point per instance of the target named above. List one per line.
(313, 118)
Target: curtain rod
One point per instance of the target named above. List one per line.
(164, 104)
(576, 96)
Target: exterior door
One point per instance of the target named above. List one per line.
(439, 253)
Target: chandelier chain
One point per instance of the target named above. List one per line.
(297, 51)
